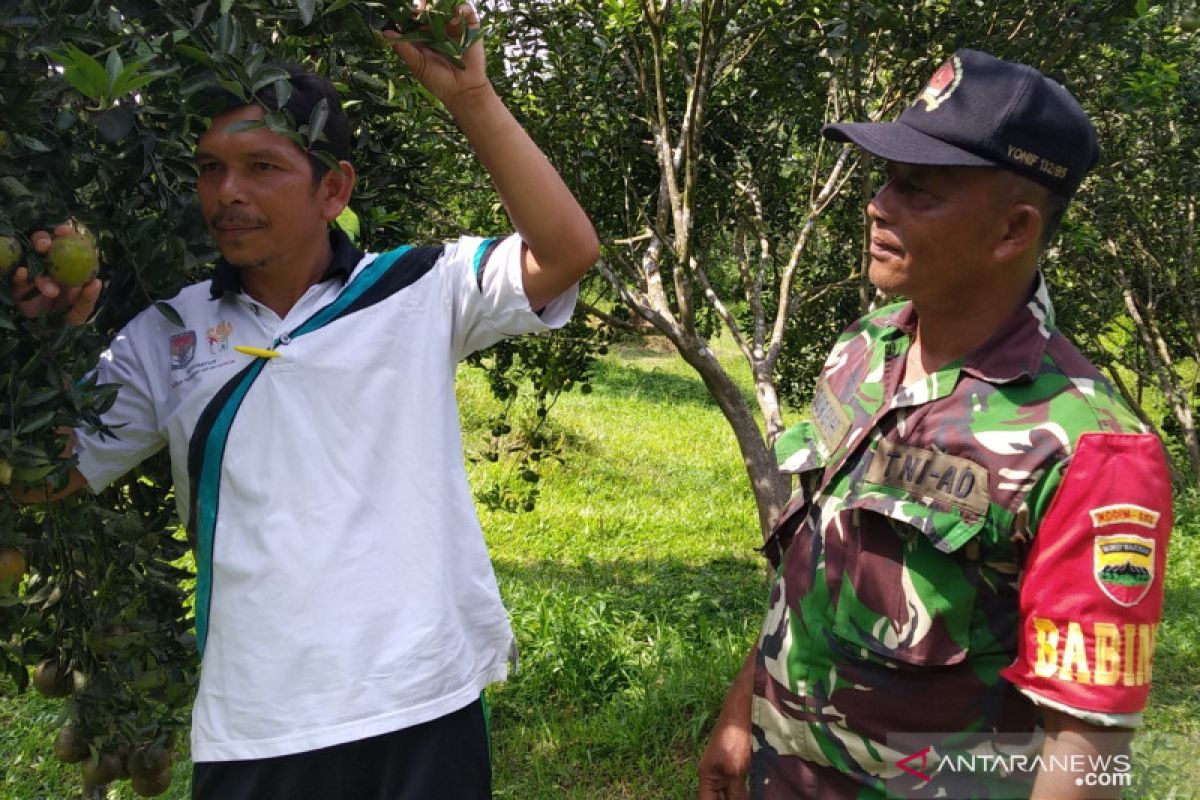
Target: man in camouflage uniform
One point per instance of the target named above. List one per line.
(978, 538)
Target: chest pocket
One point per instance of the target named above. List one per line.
(903, 578)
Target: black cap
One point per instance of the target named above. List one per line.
(979, 111)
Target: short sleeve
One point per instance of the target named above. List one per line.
(133, 419)
(484, 278)
(1092, 592)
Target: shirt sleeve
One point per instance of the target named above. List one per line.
(1092, 592)
(133, 418)
(485, 282)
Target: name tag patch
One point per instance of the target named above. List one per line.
(951, 480)
(831, 420)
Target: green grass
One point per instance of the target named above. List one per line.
(635, 591)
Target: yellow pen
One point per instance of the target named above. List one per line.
(257, 352)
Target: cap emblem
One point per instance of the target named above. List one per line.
(942, 84)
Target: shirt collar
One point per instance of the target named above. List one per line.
(228, 277)
(1015, 351)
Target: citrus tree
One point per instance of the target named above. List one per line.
(104, 102)
(721, 209)
(1135, 240)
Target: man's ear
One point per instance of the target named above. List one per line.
(335, 188)
(1021, 232)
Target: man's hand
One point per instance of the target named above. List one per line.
(42, 293)
(435, 72)
(725, 764)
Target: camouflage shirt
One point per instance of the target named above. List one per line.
(897, 598)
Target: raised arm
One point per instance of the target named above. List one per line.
(560, 241)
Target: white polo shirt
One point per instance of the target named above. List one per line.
(343, 586)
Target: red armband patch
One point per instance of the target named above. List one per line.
(1092, 591)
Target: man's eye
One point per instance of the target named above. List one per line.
(908, 187)
(263, 166)
(206, 166)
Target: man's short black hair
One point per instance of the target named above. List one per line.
(1055, 209)
(308, 89)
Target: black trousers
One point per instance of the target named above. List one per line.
(445, 759)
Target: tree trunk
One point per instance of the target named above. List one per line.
(768, 399)
(1159, 356)
(770, 486)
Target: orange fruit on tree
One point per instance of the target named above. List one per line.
(12, 569)
(51, 680)
(73, 259)
(10, 254)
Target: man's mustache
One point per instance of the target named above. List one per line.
(231, 218)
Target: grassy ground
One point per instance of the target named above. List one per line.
(635, 591)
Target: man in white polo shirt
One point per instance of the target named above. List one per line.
(346, 609)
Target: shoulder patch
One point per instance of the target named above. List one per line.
(1124, 514)
(1123, 566)
(1092, 591)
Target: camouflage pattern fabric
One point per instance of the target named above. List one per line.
(895, 601)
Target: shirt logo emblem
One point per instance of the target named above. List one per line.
(1124, 566)
(183, 349)
(218, 337)
(942, 84)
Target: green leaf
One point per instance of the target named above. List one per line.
(229, 35)
(326, 158)
(168, 311)
(132, 78)
(113, 67)
(196, 83)
(38, 397)
(437, 24)
(307, 9)
(234, 88)
(131, 83)
(283, 93)
(13, 188)
(196, 54)
(17, 671)
(245, 125)
(36, 423)
(473, 35)
(317, 120)
(31, 144)
(349, 223)
(84, 73)
(253, 60)
(267, 76)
